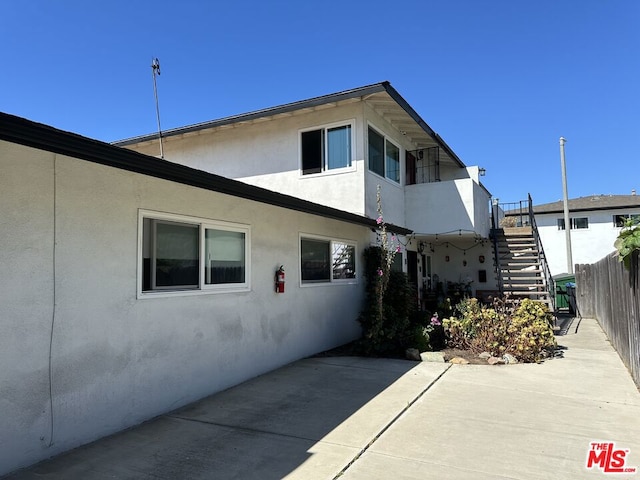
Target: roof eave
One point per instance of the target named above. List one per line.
(360, 92)
(25, 132)
(266, 112)
(393, 93)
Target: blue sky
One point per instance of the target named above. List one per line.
(499, 80)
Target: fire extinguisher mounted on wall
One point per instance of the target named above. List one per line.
(280, 280)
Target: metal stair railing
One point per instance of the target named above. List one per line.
(547, 278)
(496, 254)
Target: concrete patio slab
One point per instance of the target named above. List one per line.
(517, 421)
(360, 418)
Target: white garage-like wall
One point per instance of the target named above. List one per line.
(82, 356)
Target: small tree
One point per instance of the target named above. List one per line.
(389, 246)
(390, 306)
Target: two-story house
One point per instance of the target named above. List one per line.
(338, 150)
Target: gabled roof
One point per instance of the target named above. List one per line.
(592, 202)
(25, 132)
(382, 97)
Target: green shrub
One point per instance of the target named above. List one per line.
(628, 241)
(391, 329)
(520, 328)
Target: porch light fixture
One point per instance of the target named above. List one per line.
(482, 172)
(421, 247)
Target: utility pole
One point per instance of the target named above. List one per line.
(155, 69)
(567, 220)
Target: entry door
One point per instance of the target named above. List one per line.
(412, 267)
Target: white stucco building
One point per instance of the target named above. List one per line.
(134, 286)
(596, 221)
(337, 150)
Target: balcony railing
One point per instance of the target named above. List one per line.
(423, 166)
(511, 214)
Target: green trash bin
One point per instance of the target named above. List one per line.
(562, 296)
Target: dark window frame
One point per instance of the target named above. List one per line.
(163, 267)
(577, 223)
(379, 160)
(316, 148)
(325, 260)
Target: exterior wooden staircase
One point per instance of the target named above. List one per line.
(520, 270)
(519, 258)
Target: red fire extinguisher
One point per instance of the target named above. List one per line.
(280, 280)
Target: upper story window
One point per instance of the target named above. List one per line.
(620, 220)
(326, 261)
(326, 148)
(182, 254)
(576, 223)
(384, 156)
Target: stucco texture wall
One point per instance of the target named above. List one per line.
(117, 360)
(26, 302)
(588, 245)
(267, 154)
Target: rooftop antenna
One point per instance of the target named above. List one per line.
(155, 69)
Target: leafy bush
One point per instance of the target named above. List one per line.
(628, 241)
(520, 328)
(429, 332)
(509, 222)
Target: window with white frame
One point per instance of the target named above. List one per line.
(326, 148)
(384, 156)
(179, 254)
(326, 261)
(576, 223)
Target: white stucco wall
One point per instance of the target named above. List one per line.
(117, 360)
(441, 207)
(481, 210)
(587, 245)
(267, 154)
(464, 263)
(26, 303)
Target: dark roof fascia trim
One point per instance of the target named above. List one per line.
(310, 103)
(393, 93)
(555, 211)
(594, 209)
(25, 132)
(245, 117)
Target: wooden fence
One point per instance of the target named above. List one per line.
(610, 293)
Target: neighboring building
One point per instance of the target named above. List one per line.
(337, 150)
(595, 221)
(133, 286)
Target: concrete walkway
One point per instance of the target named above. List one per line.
(359, 418)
